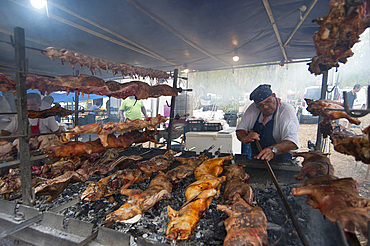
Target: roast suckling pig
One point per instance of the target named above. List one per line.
(157, 163)
(321, 108)
(338, 32)
(121, 142)
(139, 201)
(100, 64)
(316, 163)
(113, 184)
(91, 85)
(246, 224)
(104, 129)
(236, 179)
(186, 168)
(11, 182)
(108, 186)
(357, 145)
(56, 110)
(337, 199)
(98, 163)
(198, 196)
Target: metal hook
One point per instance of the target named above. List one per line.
(168, 104)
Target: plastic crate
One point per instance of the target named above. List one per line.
(212, 127)
(194, 125)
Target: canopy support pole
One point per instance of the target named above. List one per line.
(324, 88)
(23, 129)
(172, 111)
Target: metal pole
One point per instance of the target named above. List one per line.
(23, 129)
(283, 198)
(172, 112)
(76, 106)
(324, 88)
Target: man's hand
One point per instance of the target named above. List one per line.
(247, 138)
(265, 155)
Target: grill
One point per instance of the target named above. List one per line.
(85, 220)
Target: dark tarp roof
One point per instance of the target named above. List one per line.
(162, 34)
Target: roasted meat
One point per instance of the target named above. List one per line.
(246, 224)
(108, 186)
(157, 163)
(104, 129)
(139, 201)
(186, 168)
(338, 32)
(86, 84)
(198, 196)
(338, 199)
(100, 64)
(321, 108)
(357, 146)
(97, 163)
(236, 179)
(56, 110)
(121, 142)
(316, 163)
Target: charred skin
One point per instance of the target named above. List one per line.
(315, 164)
(357, 146)
(157, 163)
(246, 224)
(236, 179)
(338, 199)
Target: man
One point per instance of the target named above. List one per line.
(37, 125)
(271, 122)
(131, 109)
(351, 96)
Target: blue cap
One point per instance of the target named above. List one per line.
(261, 93)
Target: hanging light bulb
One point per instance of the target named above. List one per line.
(235, 57)
(38, 4)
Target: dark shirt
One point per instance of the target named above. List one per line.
(351, 98)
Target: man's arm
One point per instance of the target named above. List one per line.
(121, 115)
(144, 111)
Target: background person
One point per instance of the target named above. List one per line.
(272, 122)
(352, 95)
(131, 109)
(37, 125)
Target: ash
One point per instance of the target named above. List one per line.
(210, 230)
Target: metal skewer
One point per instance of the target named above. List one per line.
(283, 198)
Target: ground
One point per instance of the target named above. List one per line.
(344, 165)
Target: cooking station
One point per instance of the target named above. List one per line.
(69, 221)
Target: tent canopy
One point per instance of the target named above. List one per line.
(162, 34)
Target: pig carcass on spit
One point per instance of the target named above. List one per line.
(104, 129)
(198, 196)
(337, 199)
(122, 179)
(320, 108)
(246, 225)
(357, 145)
(140, 201)
(338, 32)
(316, 163)
(56, 110)
(186, 168)
(236, 179)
